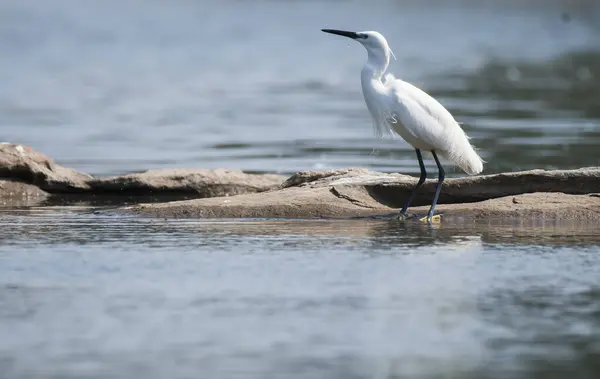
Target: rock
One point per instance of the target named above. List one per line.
(197, 182)
(562, 194)
(292, 203)
(392, 189)
(304, 177)
(13, 193)
(539, 205)
(22, 163)
(348, 193)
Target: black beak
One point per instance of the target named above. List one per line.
(352, 35)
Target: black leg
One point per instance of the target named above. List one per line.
(419, 184)
(438, 187)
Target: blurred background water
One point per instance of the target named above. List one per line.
(117, 86)
(109, 87)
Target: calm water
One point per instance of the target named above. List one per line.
(84, 296)
(110, 87)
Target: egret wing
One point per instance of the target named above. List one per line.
(422, 116)
(427, 102)
(430, 125)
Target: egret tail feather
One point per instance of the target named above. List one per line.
(465, 157)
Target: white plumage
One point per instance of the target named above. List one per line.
(399, 107)
(429, 126)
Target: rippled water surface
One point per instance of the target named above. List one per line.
(115, 86)
(88, 296)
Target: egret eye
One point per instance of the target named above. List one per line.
(365, 36)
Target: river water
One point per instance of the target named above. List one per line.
(111, 87)
(87, 296)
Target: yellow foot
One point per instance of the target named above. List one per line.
(405, 217)
(435, 218)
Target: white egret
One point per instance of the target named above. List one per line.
(400, 107)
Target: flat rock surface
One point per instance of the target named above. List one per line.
(203, 183)
(570, 194)
(392, 189)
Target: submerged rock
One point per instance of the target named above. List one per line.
(14, 193)
(19, 163)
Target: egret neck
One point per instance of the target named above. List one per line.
(372, 84)
(377, 63)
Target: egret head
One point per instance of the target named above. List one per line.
(374, 42)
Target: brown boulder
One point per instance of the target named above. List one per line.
(22, 163)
